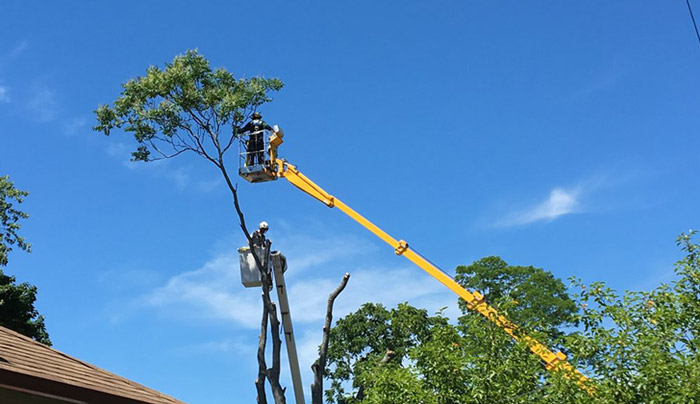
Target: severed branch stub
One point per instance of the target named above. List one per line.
(319, 366)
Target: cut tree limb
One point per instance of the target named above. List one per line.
(319, 366)
(262, 366)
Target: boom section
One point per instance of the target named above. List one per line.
(475, 301)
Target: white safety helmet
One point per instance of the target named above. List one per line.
(264, 226)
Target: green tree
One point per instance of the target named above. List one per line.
(188, 107)
(638, 347)
(9, 219)
(642, 347)
(434, 362)
(471, 362)
(185, 107)
(530, 297)
(372, 338)
(17, 311)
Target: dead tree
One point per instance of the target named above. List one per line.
(319, 367)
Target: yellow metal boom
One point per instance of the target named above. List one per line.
(474, 300)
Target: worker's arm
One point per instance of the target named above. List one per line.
(246, 128)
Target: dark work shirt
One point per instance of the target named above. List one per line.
(258, 238)
(255, 125)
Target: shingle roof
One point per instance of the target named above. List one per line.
(30, 366)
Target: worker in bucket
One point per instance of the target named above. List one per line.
(255, 147)
(258, 236)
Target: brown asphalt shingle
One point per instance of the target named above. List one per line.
(23, 356)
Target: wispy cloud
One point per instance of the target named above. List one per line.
(42, 103)
(117, 150)
(18, 49)
(210, 292)
(4, 94)
(376, 284)
(560, 202)
(6, 57)
(73, 126)
(602, 79)
(214, 291)
(180, 176)
(216, 347)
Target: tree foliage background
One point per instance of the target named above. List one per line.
(17, 311)
(636, 347)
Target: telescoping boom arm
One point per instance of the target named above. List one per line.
(474, 300)
(280, 168)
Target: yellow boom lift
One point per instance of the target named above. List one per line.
(275, 168)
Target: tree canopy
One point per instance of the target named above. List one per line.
(638, 347)
(525, 294)
(10, 218)
(17, 311)
(186, 106)
(370, 338)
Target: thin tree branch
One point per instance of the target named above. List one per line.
(204, 125)
(167, 156)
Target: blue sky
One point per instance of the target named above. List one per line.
(562, 135)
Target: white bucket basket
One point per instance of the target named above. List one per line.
(250, 274)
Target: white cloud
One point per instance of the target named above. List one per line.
(309, 297)
(116, 150)
(73, 126)
(18, 49)
(4, 94)
(179, 176)
(209, 185)
(163, 168)
(214, 291)
(42, 103)
(559, 203)
(236, 346)
(305, 251)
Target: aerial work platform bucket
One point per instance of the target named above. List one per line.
(250, 166)
(250, 274)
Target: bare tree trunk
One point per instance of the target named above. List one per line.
(273, 373)
(269, 310)
(262, 367)
(319, 366)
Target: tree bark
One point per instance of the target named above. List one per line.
(269, 310)
(319, 367)
(273, 373)
(262, 366)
